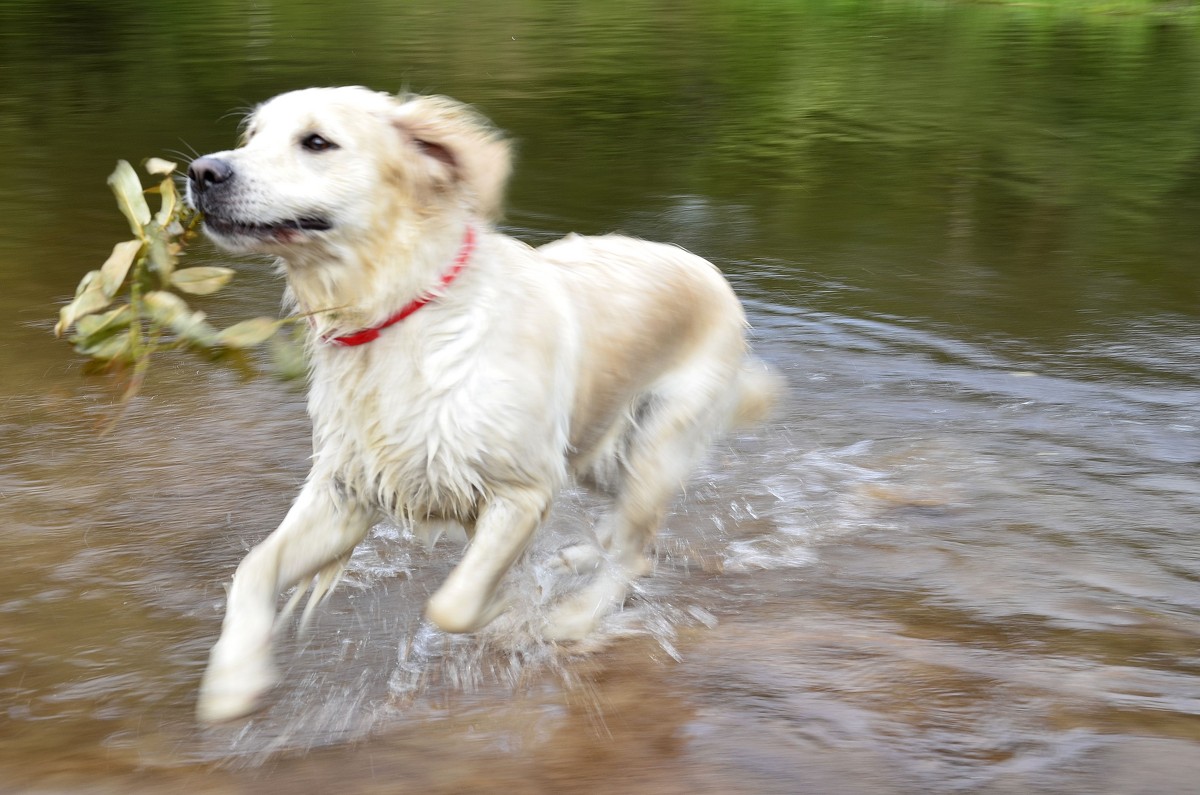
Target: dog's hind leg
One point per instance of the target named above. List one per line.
(667, 437)
(467, 599)
(317, 534)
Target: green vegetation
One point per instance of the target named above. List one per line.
(142, 278)
(1054, 142)
(1157, 7)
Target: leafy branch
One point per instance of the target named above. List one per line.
(134, 305)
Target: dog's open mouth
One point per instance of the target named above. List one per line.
(283, 231)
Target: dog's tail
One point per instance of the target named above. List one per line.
(759, 389)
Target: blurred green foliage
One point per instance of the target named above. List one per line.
(135, 304)
(1050, 142)
(1066, 104)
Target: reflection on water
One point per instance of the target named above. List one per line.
(960, 558)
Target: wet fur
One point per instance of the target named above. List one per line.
(607, 359)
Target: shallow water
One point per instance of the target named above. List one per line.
(960, 558)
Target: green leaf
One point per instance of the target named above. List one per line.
(116, 267)
(156, 165)
(128, 190)
(95, 326)
(170, 200)
(288, 355)
(174, 313)
(249, 333)
(86, 281)
(162, 257)
(201, 280)
(165, 307)
(88, 302)
(118, 346)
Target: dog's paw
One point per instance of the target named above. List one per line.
(577, 559)
(453, 612)
(230, 691)
(578, 615)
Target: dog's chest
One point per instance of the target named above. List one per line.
(397, 439)
(419, 439)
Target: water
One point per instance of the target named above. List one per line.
(960, 558)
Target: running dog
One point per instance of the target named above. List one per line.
(458, 376)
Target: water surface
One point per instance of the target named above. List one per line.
(960, 558)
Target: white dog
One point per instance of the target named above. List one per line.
(458, 376)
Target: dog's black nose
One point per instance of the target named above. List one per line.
(204, 172)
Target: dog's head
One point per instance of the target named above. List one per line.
(325, 167)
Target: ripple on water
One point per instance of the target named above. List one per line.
(923, 564)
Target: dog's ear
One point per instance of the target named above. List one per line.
(458, 150)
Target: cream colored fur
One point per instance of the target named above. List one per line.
(606, 359)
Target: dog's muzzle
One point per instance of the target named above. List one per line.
(208, 176)
(206, 172)
(209, 182)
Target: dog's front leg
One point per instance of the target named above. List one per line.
(467, 599)
(320, 529)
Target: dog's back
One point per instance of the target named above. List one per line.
(648, 305)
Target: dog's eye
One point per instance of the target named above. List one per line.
(317, 143)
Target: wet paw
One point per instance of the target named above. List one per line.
(569, 622)
(455, 613)
(230, 691)
(577, 559)
(578, 615)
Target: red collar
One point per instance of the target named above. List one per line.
(368, 334)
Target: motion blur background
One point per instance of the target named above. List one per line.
(962, 557)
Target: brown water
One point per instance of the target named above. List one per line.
(963, 556)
